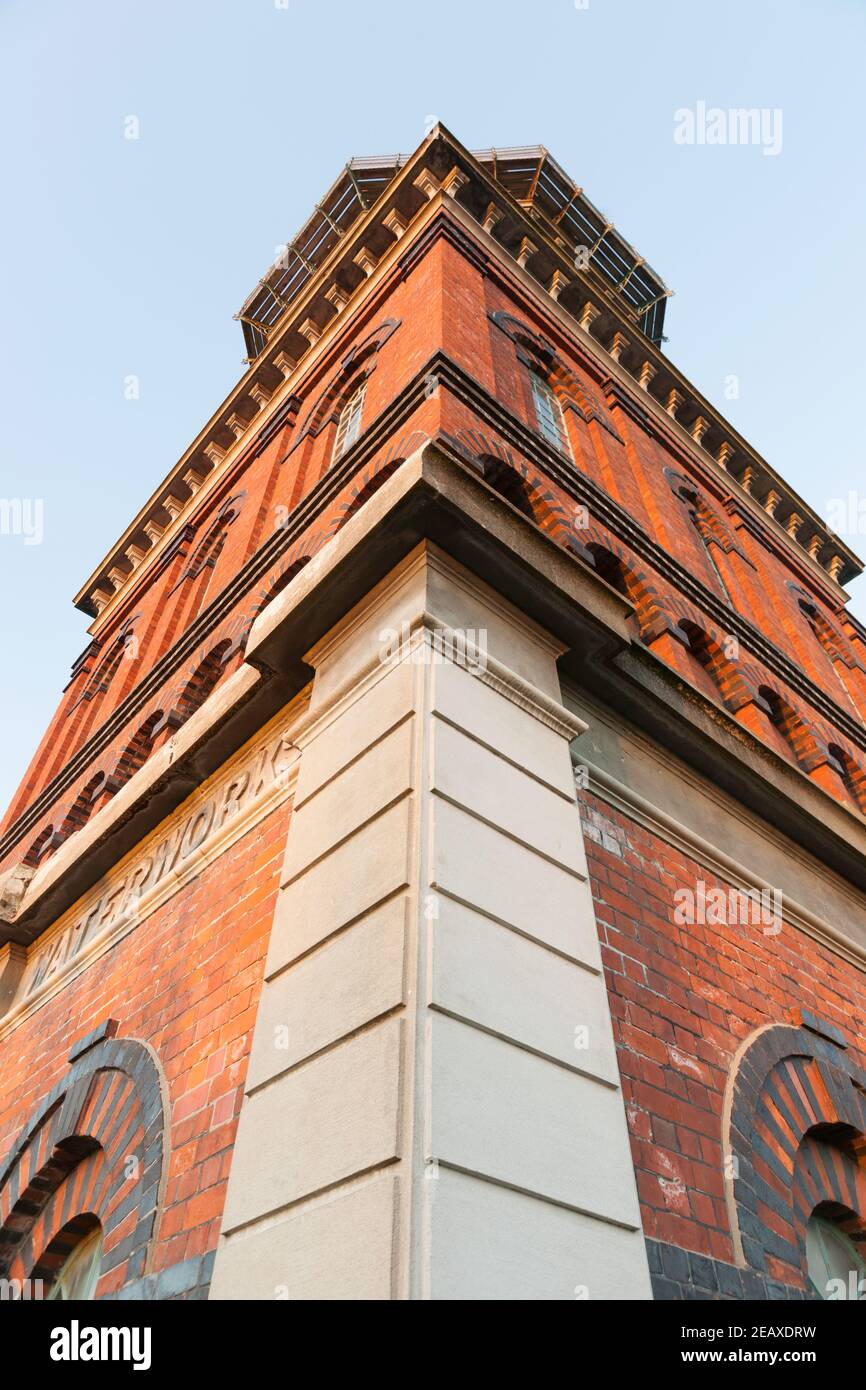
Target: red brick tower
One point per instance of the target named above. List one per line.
(311, 984)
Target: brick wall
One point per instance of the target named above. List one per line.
(186, 981)
(445, 302)
(683, 999)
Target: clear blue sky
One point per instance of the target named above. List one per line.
(122, 257)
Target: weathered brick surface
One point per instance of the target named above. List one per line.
(653, 521)
(186, 981)
(683, 999)
(444, 303)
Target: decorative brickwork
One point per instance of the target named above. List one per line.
(95, 1146)
(646, 549)
(714, 1085)
(797, 1130)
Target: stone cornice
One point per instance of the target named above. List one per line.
(276, 375)
(621, 524)
(681, 837)
(649, 411)
(377, 434)
(432, 497)
(277, 371)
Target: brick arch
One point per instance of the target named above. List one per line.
(508, 483)
(526, 490)
(834, 642)
(137, 750)
(798, 733)
(613, 563)
(851, 772)
(206, 554)
(795, 1122)
(104, 672)
(97, 1144)
(202, 682)
(61, 1245)
(723, 670)
(279, 578)
(514, 480)
(363, 488)
(355, 367)
(538, 355)
(518, 484)
(101, 786)
(82, 807)
(711, 527)
(41, 847)
(534, 350)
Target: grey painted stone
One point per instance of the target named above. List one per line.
(478, 865)
(488, 1242)
(349, 981)
(502, 1113)
(319, 1125)
(350, 881)
(341, 1248)
(510, 731)
(354, 730)
(488, 975)
(490, 787)
(349, 801)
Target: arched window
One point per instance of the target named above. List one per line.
(835, 1266)
(851, 774)
(124, 645)
(548, 414)
(200, 684)
(702, 520)
(137, 751)
(349, 425)
(71, 1265)
(72, 1156)
(508, 483)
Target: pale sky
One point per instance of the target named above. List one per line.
(127, 257)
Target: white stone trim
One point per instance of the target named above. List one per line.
(256, 758)
(721, 865)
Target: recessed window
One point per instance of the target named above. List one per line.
(836, 1267)
(76, 1279)
(349, 426)
(548, 413)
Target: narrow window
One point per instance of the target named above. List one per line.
(78, 1275)
(350, 422)
(836, 1267)
(548, 413)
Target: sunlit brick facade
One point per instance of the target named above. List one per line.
(444, 874)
